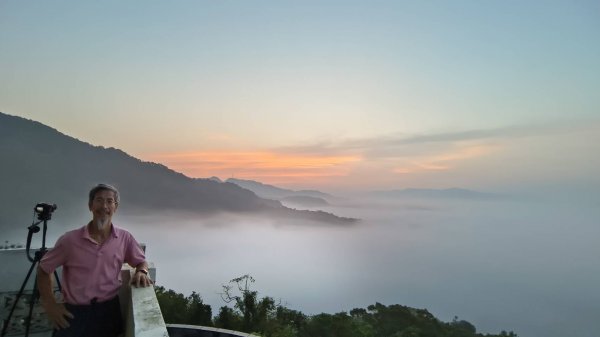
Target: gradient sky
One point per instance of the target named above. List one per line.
(335, 95)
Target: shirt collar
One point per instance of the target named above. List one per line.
(85, 233)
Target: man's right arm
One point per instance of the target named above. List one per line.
(57, 313)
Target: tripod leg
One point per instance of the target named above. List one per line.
(34, 296)
(12, 310)
(57, 280)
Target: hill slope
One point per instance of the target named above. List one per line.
(41, 164)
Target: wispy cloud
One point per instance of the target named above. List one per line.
(444, 161)
(366, 158)
(396, 145)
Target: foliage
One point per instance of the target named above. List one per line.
(228, 319)
(255, 313)
(266, 318)
(178, 309)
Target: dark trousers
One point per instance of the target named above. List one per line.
(93, 320)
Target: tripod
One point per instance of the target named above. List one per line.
(44, 214)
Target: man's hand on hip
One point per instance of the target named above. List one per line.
(57, 314)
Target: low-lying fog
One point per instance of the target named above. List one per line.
(530, 267)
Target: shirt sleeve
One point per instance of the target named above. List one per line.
(56, 256)
(134, 254)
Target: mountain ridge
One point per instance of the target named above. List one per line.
(41, 162)
(274, 192)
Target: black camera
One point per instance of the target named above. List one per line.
(44, 210)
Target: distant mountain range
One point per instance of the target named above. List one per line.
(309, 198)
(304, 201)
(450, 193)
(41, 164)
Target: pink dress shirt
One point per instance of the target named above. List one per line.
(90, 270)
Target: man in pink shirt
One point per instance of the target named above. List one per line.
(91, 258)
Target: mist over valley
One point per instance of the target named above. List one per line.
(499, 262)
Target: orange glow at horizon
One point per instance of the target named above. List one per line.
(270, 166)
(287, 169)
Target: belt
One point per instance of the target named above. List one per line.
(95, 304)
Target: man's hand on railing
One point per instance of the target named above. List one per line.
(141, 278)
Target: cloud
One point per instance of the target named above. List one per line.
(358, 161)
(397, 145)
(444, 161)
(399, 154)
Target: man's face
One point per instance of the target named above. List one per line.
(103, 205)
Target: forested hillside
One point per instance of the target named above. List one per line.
(266, 317)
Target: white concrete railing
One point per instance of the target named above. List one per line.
(142, 314)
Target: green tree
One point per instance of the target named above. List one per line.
(228, 319)
(255, 313)
(288, 317)
(198, 312)
(173, 305)
(411, 331)
(337, 325)
(178, 309)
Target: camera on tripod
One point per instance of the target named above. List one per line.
(44, 210)
(44, 213)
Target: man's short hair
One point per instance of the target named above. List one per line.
(103, 187)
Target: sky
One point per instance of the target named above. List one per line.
(330, 95)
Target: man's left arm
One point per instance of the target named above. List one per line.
(135, 257)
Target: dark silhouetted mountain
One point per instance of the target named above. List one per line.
(41, 164)
(274, 192)
(450, 193)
